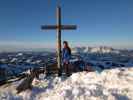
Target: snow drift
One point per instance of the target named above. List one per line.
(114, 84)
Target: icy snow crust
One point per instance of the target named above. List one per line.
(114, 84)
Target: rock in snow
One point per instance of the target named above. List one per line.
(114, 84)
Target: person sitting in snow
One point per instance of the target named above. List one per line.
(66, 56)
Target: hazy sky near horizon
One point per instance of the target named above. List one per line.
(100, 22)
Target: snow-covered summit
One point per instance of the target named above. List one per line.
(115, 84)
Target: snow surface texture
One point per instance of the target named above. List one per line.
(114, 84)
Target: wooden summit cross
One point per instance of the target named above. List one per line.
(58, 27)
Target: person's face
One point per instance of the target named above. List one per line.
(64, 45)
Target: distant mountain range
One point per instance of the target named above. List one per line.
(27, 50)
(82, 49)
(100, 49)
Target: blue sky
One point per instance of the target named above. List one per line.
(100, 22)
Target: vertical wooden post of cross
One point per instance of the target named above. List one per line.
(58, 37)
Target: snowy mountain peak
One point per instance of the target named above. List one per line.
(100, 49)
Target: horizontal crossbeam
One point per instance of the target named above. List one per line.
(48, 27)
(63, 27)
(68, 27)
